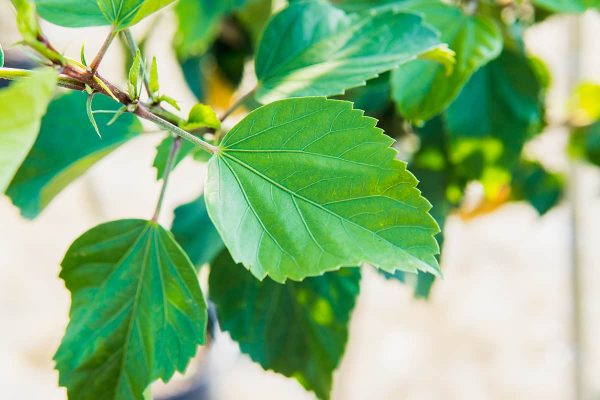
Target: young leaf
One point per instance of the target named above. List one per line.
(64, 151)
(198, 24)
(23, 105)
(26, 19)
(78, 13)
(201, 116)
(134, 76)
(195, 232)
(299, 329)
(423, 89)
(137, 311)
(154, 85)
(90, 114)
(309, 185)
(313, 48)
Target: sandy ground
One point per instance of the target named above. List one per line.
(497, 327)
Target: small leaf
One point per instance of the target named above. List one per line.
(134, 76)
(162, 155)
(1, 57)
(90, 114)
(309, 185)
(63, 152)
(154, 85)
(24, 104)
(82, 54)
(201, 116)
(298, 329)
(313, 48)
(170, 101)
(442, 55)
(422, 89)
(195, 232)
(137, 311)
(584, 107)
(540, 188)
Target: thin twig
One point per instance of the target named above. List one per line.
(98, 59)
(237, 103)
(168, 168)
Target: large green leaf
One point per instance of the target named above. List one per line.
(137, 311)
(79, 13)
(313, 48)
(298, 329)
(422, 88)
(495, 113)
(66, 147)
(308, 185)
(22, 106)
(198, 24)
(195, 232)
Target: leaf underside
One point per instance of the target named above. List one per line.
(137, 311)
(304, 186)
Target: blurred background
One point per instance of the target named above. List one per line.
(506, 322)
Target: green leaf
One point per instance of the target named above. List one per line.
(540, 188)
(195, 232)
(298, 329)
(585, 143)
(137, 311)
(162, 155)
(423, 89)
(313, 48)
(198, 24)
(64, 151)
(304, 186)
(23, 105)
(134, 76)
(154, 85)
(495, 113)
(90, 113)
(27, 20)
(201, 116)
(1, 57)
(80, 13)
(567, 6)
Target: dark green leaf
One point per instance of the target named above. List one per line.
(422, 88)
(199, 24)
(195, 232)
(496, 112)
(137, 311)
(66, 147)
(298, 329)
(313, 48)
(23, 105)
(304, 186)
(540, 188)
